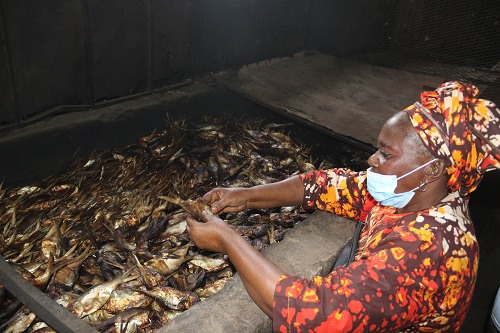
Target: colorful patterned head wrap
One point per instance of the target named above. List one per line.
(460, 129)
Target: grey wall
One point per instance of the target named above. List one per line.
(80, 52)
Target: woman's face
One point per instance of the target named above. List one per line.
(398, 153)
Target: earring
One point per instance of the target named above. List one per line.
(423, 186)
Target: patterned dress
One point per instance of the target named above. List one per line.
(414, 272)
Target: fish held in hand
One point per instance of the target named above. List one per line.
(194, 207)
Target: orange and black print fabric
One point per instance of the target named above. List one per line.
(413, 272)
(460, 128)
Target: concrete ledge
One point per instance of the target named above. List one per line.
(309, 249)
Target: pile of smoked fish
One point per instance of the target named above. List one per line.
(107, 238)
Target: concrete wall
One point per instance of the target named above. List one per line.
(79, 52)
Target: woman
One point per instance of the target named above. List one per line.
(417, 261)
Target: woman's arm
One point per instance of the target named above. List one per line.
(259, 274)
(288, 192)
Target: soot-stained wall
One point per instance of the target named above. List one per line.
(80, 52)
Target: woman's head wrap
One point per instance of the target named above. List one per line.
(460, 129)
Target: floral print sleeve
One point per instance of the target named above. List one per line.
(414, 272)
(339, 191)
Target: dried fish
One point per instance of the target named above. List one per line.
(193, 207)
(120, 241)
(88, 280)
(187, 277)
(208, 263)
(166, 266)
(128, 321)
(172, 298)
(20, 321)
(95, 297)
(124, 210)
(43, 274)
(160, 318)
(99, 315)
(51, 243)
(67, 273)
(149, 276)
(126, 298)
(42, 327)
(67, 298)
(44, 330)
(173, 232)
(210, 289)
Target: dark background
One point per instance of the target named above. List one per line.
(80, 52)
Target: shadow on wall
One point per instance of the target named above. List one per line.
(485, 212)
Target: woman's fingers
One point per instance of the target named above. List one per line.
(208, 233)
(213, 198)
(223, 200)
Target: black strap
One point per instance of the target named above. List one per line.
(349, 251)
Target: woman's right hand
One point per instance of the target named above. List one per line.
(226, 200)
(288, 192)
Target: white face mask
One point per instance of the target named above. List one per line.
(382, 187)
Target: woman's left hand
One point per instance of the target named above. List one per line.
(259, 274)
(211, 235)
